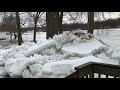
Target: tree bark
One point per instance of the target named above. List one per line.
(49, 24)
(56, 22)
(60, 23)
(18, 28)
(90, 22)
(53, 24)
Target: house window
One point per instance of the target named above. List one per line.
(7, 33)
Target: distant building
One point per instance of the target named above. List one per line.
(4, 35)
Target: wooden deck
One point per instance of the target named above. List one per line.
(89, 70)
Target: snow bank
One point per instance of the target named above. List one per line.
(66, 67)
(75, 36)
(14, 52)
(108, 51)
(58, 41)
(84, 48)
(15, 67)
(31, 67)
(56, 57)
(3, 72)
(49, 51)
(27, 74)
(116, 53)
(67, 38)
(107, 59)
(39, 48)
(33, 71)
(2, 61)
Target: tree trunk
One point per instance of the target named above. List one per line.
(90, 22)
(18, 28)
(34, 38)
(49, 24)
(11, 37)
(60, 23)
(56, 22)
(53, 23)
(35, 26)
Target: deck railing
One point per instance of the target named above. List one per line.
(96, 70)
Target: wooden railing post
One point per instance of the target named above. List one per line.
(78, 74)
(99, 75)
(106, 76)
(92, 75)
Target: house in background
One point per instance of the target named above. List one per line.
(4, 35)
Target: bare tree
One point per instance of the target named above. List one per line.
(35, 26)
(8, 23)
(35, 17)
(77, 17)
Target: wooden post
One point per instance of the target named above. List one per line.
(78, 74)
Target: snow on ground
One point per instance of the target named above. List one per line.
(40, 36)
(63, 68)
(116, 53)
(112, 38)
(84, 48)
(27, 37)
(52, 62)
(69, 42)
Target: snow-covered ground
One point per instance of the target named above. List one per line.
(112, 39)
(28, 36)
(57, 57)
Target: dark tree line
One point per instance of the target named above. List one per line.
(110, 23)
(107, 24)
